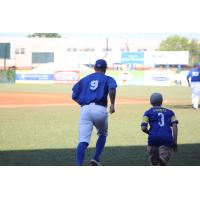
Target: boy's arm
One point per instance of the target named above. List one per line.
(145, 129)
(144, 124)
(175, 135)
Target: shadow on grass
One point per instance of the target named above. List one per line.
(180, 106)
(187, 155)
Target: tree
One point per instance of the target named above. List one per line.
(194, 52)
(45, 35)
(177, 43)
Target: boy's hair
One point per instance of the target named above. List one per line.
(156, 99)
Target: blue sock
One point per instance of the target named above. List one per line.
(99, 147)
(80, 152)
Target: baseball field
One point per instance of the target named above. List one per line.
(38, 126)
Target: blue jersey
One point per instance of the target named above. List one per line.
(93, 88)
(160, 121)
(194, 74)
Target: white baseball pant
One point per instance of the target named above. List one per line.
(92, 115)
(195, 86)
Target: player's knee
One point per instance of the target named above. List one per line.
(83, 144)
(102, 134)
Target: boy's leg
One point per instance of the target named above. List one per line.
(80, 153)
(153, 155)
(164, 154)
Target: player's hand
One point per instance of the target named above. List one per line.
(112, 108)
(175, 147)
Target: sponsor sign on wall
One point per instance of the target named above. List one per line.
(66, 76)
(158, 77)
(166, 57)
(156, 58)
(31, 77)
(132, 58)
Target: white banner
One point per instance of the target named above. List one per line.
(166, 57)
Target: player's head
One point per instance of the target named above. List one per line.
(100, 65)
(156, 99)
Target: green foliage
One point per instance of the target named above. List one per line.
(45, 35)
(7, 76)
(194, 52)
(177, 43)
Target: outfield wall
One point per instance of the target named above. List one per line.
(154, 77)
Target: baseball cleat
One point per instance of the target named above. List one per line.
(93, 162)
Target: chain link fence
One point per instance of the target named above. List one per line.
(7, 76)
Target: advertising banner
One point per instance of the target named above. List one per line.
(166, 57)
(66, 76)
(155, 58)
(158, 77)
(132, 58)
(30, 77)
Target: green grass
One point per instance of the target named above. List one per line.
(48, 135)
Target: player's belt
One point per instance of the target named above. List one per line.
(99, 104)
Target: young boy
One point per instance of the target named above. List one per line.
(163, 131)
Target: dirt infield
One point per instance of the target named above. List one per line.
(8, 99)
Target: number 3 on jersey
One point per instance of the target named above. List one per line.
(94, 85)
(161, 119)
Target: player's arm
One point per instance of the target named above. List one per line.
(175, 135)
(74, 96)
(112, 95)
(112, 85)
(76, 92)
(188, 78)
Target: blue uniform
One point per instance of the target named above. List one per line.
(91, 93)
(194, 74)
(193, 78)
(160, 120)
(93, 89)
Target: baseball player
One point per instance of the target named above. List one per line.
(193, 79)
(163, 131)
(91, 94)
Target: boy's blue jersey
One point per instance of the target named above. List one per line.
(93, 88)
(194, 74)
(160, 121)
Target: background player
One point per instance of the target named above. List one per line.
(162, 134)
(91, 93)
(193, 79)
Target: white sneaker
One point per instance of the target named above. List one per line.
(93, 162)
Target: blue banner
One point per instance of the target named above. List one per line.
(132, 58)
